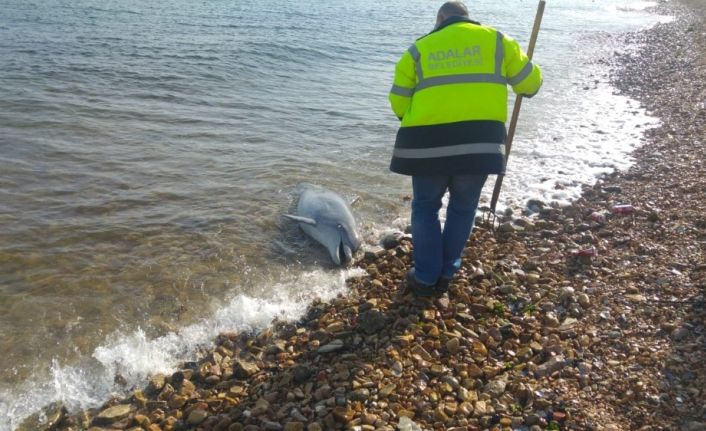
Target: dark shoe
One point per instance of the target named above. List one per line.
(418, 288)
(442, 286)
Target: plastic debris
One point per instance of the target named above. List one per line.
(623, 209)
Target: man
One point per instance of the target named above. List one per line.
(450, 92)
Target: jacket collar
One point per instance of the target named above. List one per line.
(453, 20)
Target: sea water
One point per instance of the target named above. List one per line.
(149, 149)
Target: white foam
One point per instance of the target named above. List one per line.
(636, 6)
(639, 10)
(596, 136)
(135, 356)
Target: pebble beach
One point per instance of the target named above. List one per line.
(582, 317)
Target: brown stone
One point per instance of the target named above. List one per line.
(112, 414)
(197, 416)
(244, 369)
(294, 426)
(177, 401)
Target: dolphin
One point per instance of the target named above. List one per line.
(326, 217)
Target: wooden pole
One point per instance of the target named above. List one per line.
(516, 109)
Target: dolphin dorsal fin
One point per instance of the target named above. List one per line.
(300, 219)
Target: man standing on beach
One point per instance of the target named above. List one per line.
(450, 92)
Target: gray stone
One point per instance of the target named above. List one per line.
(407, 424)
(553, 365)
(271, 426)
(390, 240)
(297, 415)
(372, 321)
(535, 205)
(695, 426)
(360, 395)
(374, 252)
(495, 388)
(567, 294)
(548, 233)
(551, 320)
(333, 346)
(584, 368)
(680, 334)
(506, 227)
(532, 419)
(301, 373)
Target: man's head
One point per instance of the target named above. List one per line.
(449, 9)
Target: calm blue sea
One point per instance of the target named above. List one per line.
(149, 149)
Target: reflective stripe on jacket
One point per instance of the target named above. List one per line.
(450, 91)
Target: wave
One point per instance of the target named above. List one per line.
(638, 6)
(132, 358)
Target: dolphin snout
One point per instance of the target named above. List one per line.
(345, 254)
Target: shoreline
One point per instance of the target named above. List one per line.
(531, 334)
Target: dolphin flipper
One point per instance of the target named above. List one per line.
(300, 219)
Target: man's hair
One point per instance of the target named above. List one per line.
(453, 8)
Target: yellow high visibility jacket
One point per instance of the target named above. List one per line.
(450, 92)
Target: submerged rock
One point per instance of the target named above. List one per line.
(46, 419)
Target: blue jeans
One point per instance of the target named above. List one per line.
(436, 253)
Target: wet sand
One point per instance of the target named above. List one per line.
(583, 317)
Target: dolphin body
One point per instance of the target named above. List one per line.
(326, 217)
